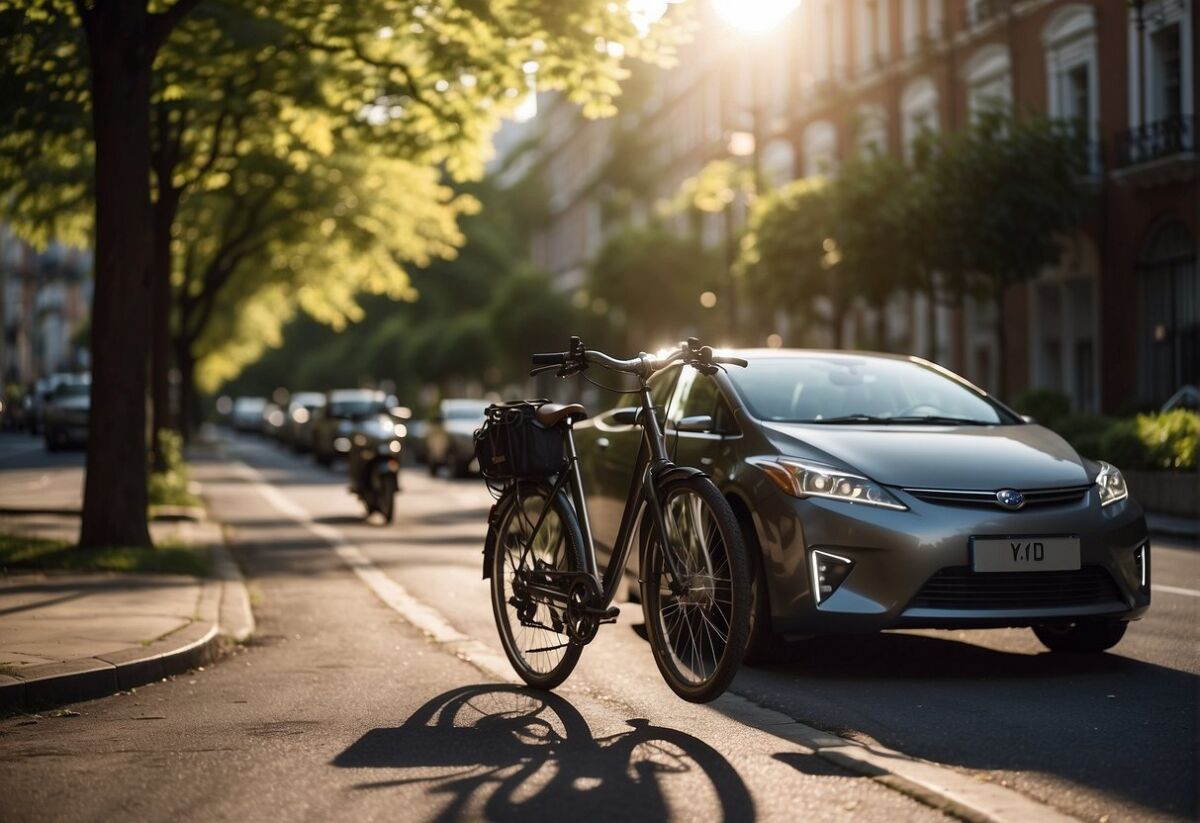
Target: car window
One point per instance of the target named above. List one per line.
(661, 385)
(723, 420)
(696, 394)
(813, 389)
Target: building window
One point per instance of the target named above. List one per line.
(864, 43)
(988, 73)
(910, 27)
(1072, 72)
(933, 18)
(820, 148)
(1170, 334)
(1166, 53)
(1160, 64)
(918, 112)
(871, 134)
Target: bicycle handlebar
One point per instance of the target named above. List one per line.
(690, 351)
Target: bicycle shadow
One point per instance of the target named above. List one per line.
(521, 754)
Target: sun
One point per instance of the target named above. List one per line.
(753, 15)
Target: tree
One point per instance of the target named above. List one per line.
(1005, 191)
(432, 92)
(648, 283)
(870, 216)
(789, 258)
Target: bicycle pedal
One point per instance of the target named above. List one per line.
(609, 615)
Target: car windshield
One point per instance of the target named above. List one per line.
(73, 390)
(837, 389)
(357, 408)
(465, 411)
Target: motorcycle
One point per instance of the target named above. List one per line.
(374, 464)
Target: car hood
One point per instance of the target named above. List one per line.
(940, 457)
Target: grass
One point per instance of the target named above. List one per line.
(21, 553)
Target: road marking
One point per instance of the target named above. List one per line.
(962, 795)
(425, 618)
(1158, 587)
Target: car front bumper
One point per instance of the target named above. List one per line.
(912, 569)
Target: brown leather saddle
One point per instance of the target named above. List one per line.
(551, 414)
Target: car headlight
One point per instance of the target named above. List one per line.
(803, 479)
(1111, 484)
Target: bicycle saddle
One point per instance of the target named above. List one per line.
(551, 414)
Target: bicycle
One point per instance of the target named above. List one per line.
(549, 597)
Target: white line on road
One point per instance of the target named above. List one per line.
(425, 618)
(1158, 587)
(962, 795)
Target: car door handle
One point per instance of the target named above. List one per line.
(602, 443)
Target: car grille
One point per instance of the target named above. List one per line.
(1034, 497)
(960, 588)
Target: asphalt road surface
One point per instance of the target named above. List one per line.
(341, 709)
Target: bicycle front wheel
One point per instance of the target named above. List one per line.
(699, 627)
(532, 630)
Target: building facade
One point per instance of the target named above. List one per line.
(1116, 323)
(45, 299)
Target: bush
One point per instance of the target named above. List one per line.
(1122, 446)
(1170, 438)
(1163, 441)
(1047, 406)
(170, 488)
(1084, 432)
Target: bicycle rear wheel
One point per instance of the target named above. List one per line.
(533, 631)
(698, 631)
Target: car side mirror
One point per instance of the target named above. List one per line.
(696, 423)
(1029, 418)
(627, 416)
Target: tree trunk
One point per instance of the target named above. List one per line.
(1001, 337)
(186, 364)
(160, 319)
(115, 498)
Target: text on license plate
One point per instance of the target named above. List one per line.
(1024, 554)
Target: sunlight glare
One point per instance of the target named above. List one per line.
(753, 15)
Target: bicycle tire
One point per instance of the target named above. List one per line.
(546, 671)
(677, 626)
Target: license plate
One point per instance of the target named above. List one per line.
(1024, 554)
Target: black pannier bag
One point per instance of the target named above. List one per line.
(513, 445)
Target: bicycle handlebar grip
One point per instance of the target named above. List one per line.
(553, 358)
(733, 361)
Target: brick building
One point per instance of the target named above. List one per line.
(1116, 322)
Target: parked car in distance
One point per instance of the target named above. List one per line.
(39, 398)
(272, 421)
(66, 412)
(335, 421)
(450, 435)
(881, 491)
(301, 413)
(247, 414)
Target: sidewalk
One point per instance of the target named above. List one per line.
(68, 636)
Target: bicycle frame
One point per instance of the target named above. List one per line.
(652, 468)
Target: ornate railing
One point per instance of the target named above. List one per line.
(1151, 141)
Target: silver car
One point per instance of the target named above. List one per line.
(881, 492)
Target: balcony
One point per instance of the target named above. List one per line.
(1163, 150)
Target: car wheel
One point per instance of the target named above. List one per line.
(764, 645)
(1084, 637)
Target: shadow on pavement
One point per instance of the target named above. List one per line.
(980, 708)
(520, 754)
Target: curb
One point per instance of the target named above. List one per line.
(222, 598)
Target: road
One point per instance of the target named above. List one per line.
(342, 709)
